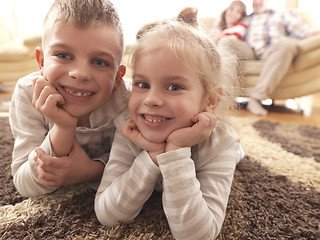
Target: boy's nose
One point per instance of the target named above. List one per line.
(80, 72)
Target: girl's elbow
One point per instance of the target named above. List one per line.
(101, 212)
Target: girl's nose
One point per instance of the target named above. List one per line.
(153, 99)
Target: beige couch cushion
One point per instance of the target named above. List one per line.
(5, 34)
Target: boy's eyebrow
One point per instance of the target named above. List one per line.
(100, 53)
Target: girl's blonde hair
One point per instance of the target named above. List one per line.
(222, 21)
(83, 13)
(217, 68)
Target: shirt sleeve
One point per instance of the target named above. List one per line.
(289, 23)
(128, 181)
(238, 30)
(195, 201)
(30, 130)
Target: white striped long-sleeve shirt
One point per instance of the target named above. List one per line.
(30, 130)
(195, 181)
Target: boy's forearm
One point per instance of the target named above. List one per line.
(61, 140)
(94, 171)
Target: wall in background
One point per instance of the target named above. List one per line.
(25, 18)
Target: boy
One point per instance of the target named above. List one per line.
(76, 95)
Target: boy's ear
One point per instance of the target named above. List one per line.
(213, 101)
(39, 57)
(119, 78)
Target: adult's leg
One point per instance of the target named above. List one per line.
(278, 59)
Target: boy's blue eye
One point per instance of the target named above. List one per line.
(63, 55)
(99, 62)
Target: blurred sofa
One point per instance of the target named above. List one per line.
(303, 77)
(17, 57)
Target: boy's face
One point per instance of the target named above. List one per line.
(166, 94)
(83, 65)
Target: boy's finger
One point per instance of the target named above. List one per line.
(37, 87)
(39, 151)
(54, 100)
(47, 179)
(44, 160)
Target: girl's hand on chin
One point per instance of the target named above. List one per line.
(130, 131)
(200, 131)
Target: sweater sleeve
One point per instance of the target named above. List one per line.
(195, 195)
(128, 181)
(289, 23)
(30, 130)
(238, 30)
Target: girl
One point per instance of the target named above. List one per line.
(176, 139)
(230, 22)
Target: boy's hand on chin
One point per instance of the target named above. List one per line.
(200, 131)
(130, 131)
(47, 100)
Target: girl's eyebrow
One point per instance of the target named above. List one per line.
(138, 75)
(167, 78)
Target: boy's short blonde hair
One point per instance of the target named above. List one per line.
(217, 68)
(83, 13)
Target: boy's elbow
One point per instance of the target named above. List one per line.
(29, 187)
(22, 189)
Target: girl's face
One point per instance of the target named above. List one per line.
(233, 14)
(166, 95)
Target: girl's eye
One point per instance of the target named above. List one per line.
(174, 87)
(142, 85)
(99, 62)
(63, 55)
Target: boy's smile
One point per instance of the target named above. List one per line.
(166, 95)
(78, 92)
(82, 63)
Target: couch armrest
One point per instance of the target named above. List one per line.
(32, 41)
(309, 44)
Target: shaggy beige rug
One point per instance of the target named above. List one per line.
(275, 194)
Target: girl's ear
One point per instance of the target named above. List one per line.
(213, 101)
(40, 58)
(119, 78)
(189, 15)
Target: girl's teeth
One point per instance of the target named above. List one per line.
(154, 120)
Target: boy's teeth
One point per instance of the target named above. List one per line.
(78, 94)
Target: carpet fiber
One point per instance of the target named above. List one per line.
(275, 194)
